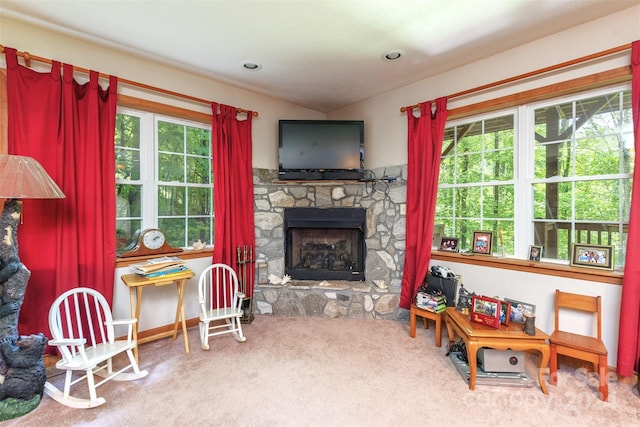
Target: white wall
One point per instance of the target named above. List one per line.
(386, 145)
(53, 45)
(385, 135)
(385, 125)
(159, 303)
(539, 290)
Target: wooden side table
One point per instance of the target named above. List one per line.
(136, 283)
(476, 336)
(425, 314)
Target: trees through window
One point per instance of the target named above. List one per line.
(163, 178)
(548, 174)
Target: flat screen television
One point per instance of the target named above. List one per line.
(321, 149)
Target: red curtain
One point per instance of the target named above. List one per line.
(629, 332)
(69, 128)
(425, 135)
(233, 185)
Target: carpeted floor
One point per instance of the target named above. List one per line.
(329, 372)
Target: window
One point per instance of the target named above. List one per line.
(163, 178)
(582, 164)
(477, 181)
(548, 174)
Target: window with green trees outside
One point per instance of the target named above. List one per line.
(548, 174)
(163, 178)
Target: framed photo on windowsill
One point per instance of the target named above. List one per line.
(482, 242)
(535, 253)
(592, 256)
(449, 244)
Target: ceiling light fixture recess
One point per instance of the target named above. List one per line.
(392, 55)
(251, 66)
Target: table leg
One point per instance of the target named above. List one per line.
(544, 361)
(135, 297)
(447, 323)
(180, 316)
(439, 331)
(472, 351)
(412, 324)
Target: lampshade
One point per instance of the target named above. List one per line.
(23, 177)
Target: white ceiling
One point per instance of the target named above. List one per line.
(321, 54)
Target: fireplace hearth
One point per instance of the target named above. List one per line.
(324, 243)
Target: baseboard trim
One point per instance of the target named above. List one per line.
(163, 329)
(51, 359)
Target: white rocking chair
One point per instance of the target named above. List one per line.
(220, 303)
(83, 330)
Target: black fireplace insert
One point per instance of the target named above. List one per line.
(325, 243)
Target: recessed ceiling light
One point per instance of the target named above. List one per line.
(392, 55)
(252, 66)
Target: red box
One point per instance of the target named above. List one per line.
(485, 311)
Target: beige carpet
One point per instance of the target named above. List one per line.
(328, 372)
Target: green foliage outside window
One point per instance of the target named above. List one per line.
(180, 185)
(128, 192)
(582, 167)
(579, 188)
(476, 189)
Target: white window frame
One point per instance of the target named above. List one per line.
(530, 178)
(514, 181)
(149, 165)
(523, 150)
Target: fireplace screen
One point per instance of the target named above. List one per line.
(320, 249)
(324, 245)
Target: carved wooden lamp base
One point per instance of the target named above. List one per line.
(22, 371)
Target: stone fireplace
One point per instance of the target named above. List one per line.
(380, 241)
(324, 243)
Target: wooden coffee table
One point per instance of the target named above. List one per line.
(476, 335)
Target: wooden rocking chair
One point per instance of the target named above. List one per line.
(220, 303)
(83, 330)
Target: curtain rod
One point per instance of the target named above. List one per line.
(532, 73)
(28, 58)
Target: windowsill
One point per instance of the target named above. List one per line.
(186, 254)
(581, 273)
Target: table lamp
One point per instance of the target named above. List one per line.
(21, 357)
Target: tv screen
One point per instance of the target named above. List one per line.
(321, 149)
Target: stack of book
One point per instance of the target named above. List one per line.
(435, 303)
(159, 267)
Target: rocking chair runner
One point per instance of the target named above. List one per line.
(83, 330)
(220, 303)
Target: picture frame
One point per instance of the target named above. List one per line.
(505, 313)
(535, 253)
(449, 244)
(517, 310)
(485, 310)
(482, 242)
(592, 256)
